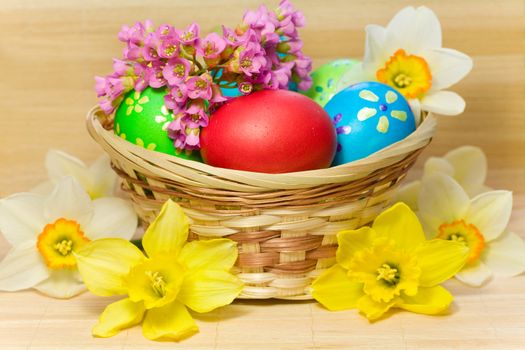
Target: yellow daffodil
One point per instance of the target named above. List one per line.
(160, 285)
(46, 231)
(466, 164)
(408, 55)
(479, 223)
(98, 180)
(390, 265)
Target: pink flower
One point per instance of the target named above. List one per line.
(196, 115)
(122, 67)
(211, 46)
(245, 87)
(136, 33)
(168, 48)
(251, 59)
(132, 52)
(143, 76)
(305, 83)
(166, 30)
(176, 71)
(217, 96)
(286, 12)
(262, 20)
(199, 87)
(156, 78)
(231, 38)
(193, 139)
(190, 36)
(150, 49)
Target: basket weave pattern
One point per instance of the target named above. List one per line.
(285, 224)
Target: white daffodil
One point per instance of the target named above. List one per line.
(446, 212)
(466, 164)
(44, 231)
(98, 180)
(408, 55)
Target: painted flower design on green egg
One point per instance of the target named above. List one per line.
(143, 119)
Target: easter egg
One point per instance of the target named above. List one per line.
(368, 117)
(143, 119)
(269, 131)
(326, 77)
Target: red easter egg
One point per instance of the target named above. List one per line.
(269, 131)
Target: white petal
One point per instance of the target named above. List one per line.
(415, 106)
(474, 275)
(490, 213)
(104, 178)
(113, 217)
(70, 201)
(435, 165)
(60, 164)
(62, 284)
(443, 102)
(506, 256)
(45, 188)
(447, 66)
(22, 268)
(441, 200)
(416, 29)
(376, 54)
(470, 167)
(22, 217)
(408, 194)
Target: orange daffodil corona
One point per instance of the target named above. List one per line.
(173, 275)
(408, 55)
(480, 223)
(390, 265)
(46, 230)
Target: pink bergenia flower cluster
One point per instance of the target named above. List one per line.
(263, 52)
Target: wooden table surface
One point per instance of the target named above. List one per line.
(51, 49)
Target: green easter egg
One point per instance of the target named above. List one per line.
(143, 119)
(326, 77)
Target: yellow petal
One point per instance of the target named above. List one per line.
(170, 322)
(334, 290)
(168, 232)
(400, 224)
(205, 290)
(104, 262)
(428, 301)
(374, 309)
(216, 254)
(353, 241)
(440, 260)
(118, 316)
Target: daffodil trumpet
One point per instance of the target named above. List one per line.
(160, 284)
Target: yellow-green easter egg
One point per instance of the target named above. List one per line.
(326, 77)
(143, 119)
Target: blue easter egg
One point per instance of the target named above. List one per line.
(368, 117)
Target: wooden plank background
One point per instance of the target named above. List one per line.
(51, 49)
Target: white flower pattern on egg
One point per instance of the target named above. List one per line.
(367, 112)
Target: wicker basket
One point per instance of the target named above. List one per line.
(285, 224)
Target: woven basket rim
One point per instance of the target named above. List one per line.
(249, 181)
